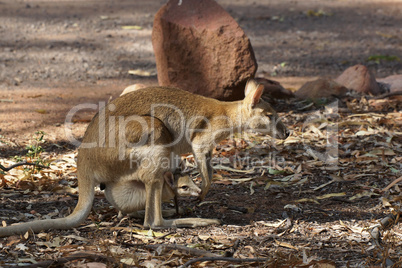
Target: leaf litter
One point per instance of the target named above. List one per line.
(328, 196)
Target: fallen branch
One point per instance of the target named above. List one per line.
(77, 256)
(392, 184)
(187, 250)
(227, 259)
(389, 94)
(386, 223)
(21, 164)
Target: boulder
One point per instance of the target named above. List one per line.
(321, 88)
(199, 47)
(274, 90)
(392, 83)
(360, 79)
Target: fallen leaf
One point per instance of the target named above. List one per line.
(21, 247)
(131, 27)
(251, 188)
(363, 194)
(41, 111)
(325, 196)
(285, 245)
(383, 151)
(140, 72)
(221, 167)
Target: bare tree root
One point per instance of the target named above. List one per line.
(389, 94)
(184, 249)
(227, 259)
(392, 184)
(76, 256)
(21, 164)
(386, 223)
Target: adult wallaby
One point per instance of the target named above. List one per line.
(138, 135)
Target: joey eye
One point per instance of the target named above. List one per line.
(185, 188)
(268, 114)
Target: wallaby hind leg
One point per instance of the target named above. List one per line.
(153, 210)
(153, 206)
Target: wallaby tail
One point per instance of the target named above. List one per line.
(79, 214)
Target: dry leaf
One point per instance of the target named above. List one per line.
(41, 111)
(131, 27)
(286, 245)
(139, 72)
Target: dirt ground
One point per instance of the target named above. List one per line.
(57, 55)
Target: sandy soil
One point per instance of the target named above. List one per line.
(58, 54)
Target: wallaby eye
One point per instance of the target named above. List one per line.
(185, 187)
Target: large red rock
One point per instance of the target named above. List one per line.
(199, 47)
(360, 79)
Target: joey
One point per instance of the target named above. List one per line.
(138, 136)
(129, 196)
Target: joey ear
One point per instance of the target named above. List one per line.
(169, 179)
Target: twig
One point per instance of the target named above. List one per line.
(386, 223)
(389, 94)
(77, 256)
(227, 259)
(187, 250)
(21, 164)
(392, 184)
(165, 235)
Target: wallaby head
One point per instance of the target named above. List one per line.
(259, 114)
(182, 185)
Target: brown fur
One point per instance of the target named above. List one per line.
(131, 130)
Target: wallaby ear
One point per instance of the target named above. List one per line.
(257, 95)
(250, 87)
(253, 92)
(169, 179)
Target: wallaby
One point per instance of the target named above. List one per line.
(138, 135)
(102, 165)
(129, 196)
